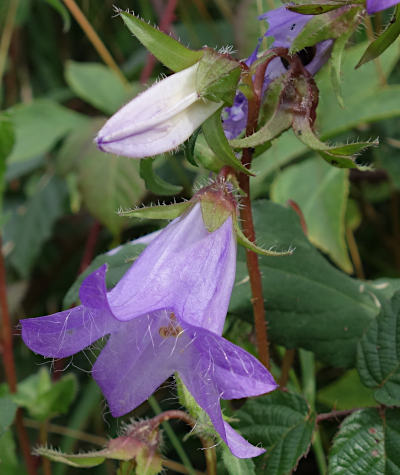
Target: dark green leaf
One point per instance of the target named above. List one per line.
(6, 145)
(167, 50)
(358, 448)
(8, 457)
(236, 466)
(384, 40)
(309, 303)
(98, 85)
(378, 356)
(154, 183)
(392, 441)
(283, 424)
(7, 413)
(59, 7)
(30, 228)
(118, 262)
(316, 8)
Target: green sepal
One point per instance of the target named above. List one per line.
(242, 239)
(168, 51)
(341, 156)
(277, 119)
(171, 211)
(214, 213)
(317, 8)
(217, 141)
(331, 25)
(205, 157)
(189, 146)
(377, 47)
(217, 77)
(336, 64)
(153, 182)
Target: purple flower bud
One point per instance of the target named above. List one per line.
(284, 25)
(374, 6)
(165, 315)
(159, 119)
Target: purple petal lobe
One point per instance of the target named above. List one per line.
(65, 333)
(135, 362)
(374, 6)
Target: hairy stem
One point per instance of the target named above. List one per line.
(94, 38)
(335, 414)
(248, 226)
(9, 367)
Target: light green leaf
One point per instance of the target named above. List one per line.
(336, 64)
(347, 392)
(309, 303)
(8, 409)
(107, 182)
(171, 211)
(6, 145)
(321, 191)
(43, 398)
(91, 459)
(283, 424)
(358, 447)
(38, 126)
(167, 50)
(154, 183)
(28, 229)
(378, 355)
(8, 457)
(98, 85)
(236, 466)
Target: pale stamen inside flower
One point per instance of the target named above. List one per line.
(140, 127)
(173, 329)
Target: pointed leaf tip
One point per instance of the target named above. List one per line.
(166, 49)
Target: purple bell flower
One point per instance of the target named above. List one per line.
(165, 315)
(374, 6)
(284, 25)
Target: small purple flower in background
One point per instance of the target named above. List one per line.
(166, 314)
(374, 6)
(159, 119)
(284, 25)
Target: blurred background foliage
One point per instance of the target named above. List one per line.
(61, 195)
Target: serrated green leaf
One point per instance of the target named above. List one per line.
(167, 50)
(378, 360)
(43, 398)
(98, 85)
(283, 424)
(171, 211)
(74, 460)
(384, 40)
(154, 183)
(118, 262)
(8, 409)
(32, 225)
(218, 143)
(321, 191)
(358, 447)
(38, 126)
(309, 303)
(330, 25)
(107, 183)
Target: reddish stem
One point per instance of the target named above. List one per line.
(165, 26)
(335, 414)
(9, 367)
(90, 246)
(248, 226)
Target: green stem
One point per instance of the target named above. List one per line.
(172, 437)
